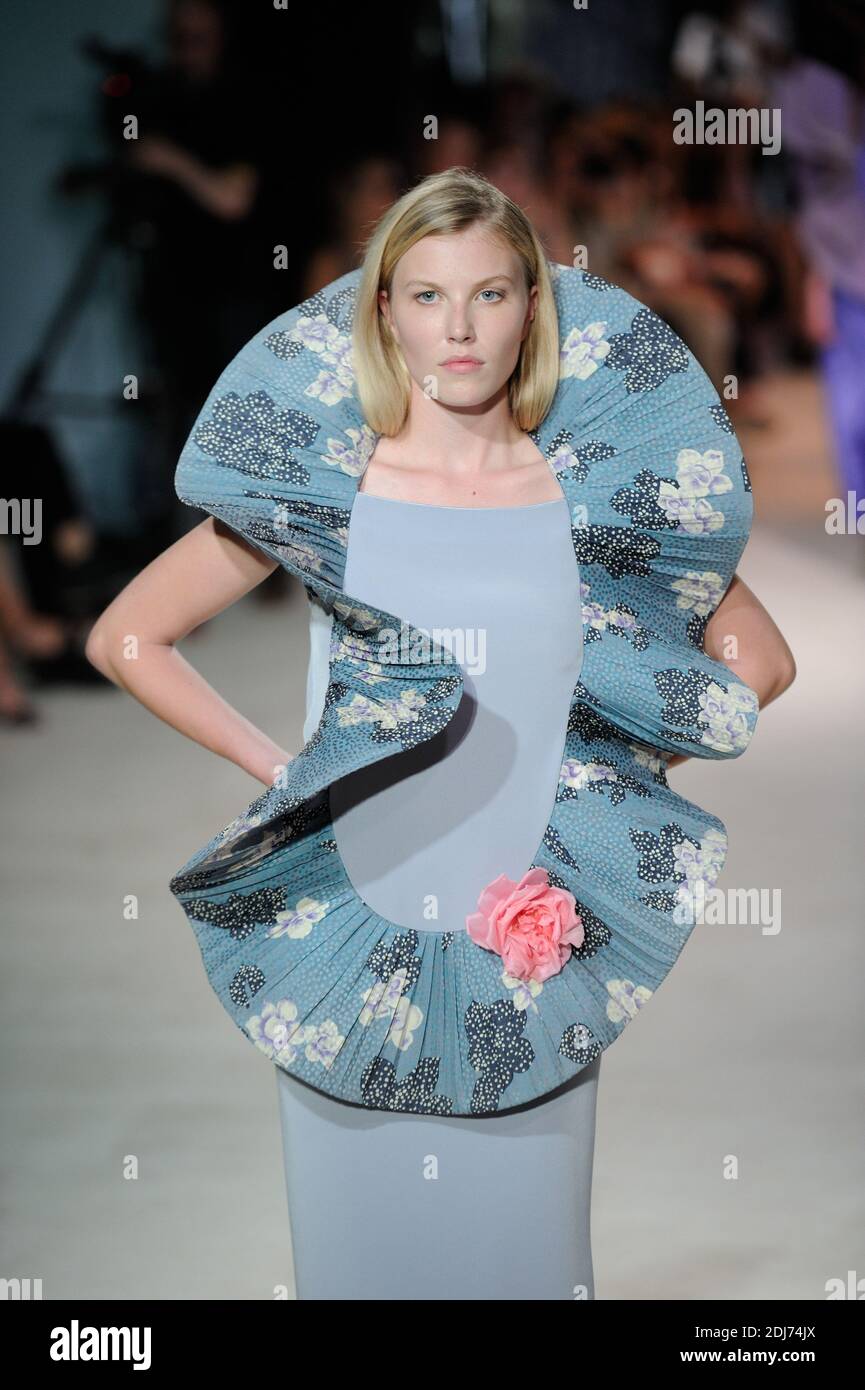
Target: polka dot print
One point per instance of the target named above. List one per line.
(360, 1007)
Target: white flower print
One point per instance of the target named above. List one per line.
(714, 842)
(726, 713)
(626, 999)
(524, 992)
(318, 334)
(388, 712)
(594, 614)
(695, 515)
(350, 649)
(701, 862)
(564, 457)
(298, 921)
(276, 1031)
(698, 474)
(331, 387)
(645, 758)
(351, 458)
(699, 590)
(622, 620)
(385, 999)
(701, 866)
(322, 1043)
(406, 1019)
(583, 351)
(299, 552)
(578, 775)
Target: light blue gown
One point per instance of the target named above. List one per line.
(402, 1206)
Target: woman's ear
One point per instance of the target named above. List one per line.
(530, 312)
(384, 307)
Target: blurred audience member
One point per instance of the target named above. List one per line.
(823, 115)
(359, 195)
(49, 647)
(198, 145)
(458, 141)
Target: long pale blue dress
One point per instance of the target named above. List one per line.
(402, 1206)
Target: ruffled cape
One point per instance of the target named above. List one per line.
(660, 500)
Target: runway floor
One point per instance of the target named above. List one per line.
(141, 1152)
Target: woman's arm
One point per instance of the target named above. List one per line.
(132, 641)
(741, 625)
(227, 192)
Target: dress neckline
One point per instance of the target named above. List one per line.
(437, 507)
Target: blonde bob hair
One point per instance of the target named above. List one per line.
(440, 204)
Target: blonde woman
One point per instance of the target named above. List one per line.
(516, 506)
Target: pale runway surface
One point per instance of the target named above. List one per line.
(114, 1044)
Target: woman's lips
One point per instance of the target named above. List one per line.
(458, 366)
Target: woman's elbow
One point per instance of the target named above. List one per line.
(785, 674)
(97, 650)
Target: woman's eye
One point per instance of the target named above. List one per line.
(421, 294)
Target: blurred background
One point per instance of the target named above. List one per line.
(133, 270)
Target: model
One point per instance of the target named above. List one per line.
(516, 505)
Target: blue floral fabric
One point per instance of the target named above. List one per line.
(660, 500)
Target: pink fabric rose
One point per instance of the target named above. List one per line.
(532, 925)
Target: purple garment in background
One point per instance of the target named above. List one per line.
(842, 363)
(821, 129)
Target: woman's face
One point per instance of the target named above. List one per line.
(460, 296)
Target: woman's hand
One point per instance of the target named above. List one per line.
(132, 642)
